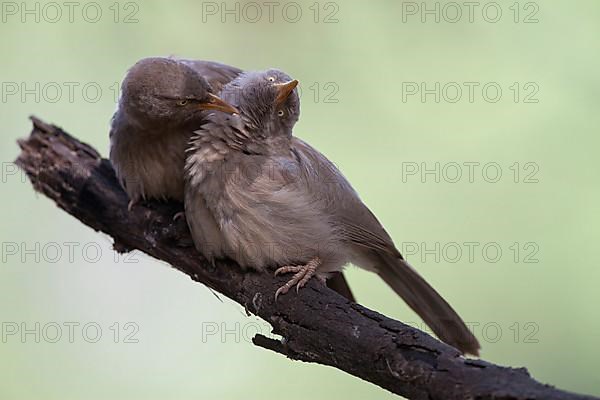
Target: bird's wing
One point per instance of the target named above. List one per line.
(272, 202)
(217, 74)
(338, 283)
(355, 221)
(373, 249)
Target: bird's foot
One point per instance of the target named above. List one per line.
(302, 274)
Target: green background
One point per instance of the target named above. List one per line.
(542, 315)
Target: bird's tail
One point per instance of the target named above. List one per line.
(428, 304)
(338, 283)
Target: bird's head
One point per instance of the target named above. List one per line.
(165, 90)
(267, 100)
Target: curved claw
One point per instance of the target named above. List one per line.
(132, 204)
(303, 273)
(178, 216)
(295, 279)
(281, 290)
(304, 280)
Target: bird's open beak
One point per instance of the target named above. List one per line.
(284, 90)
(216, 103)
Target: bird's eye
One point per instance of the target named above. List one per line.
(271, 79)
(182, 102)
(280, 113)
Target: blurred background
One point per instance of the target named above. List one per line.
(470, 131)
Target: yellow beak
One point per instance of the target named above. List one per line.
(284, 90)
(216, 103)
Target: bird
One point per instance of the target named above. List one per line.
(258, 194)
(153, 124)
(162, 101)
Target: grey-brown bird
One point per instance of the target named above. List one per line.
(162, 102)
(259, 195)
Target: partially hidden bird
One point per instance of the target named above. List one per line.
(162, 101)
(258, 194)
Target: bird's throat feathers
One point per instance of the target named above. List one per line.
(238, 133)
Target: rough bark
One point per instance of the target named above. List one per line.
(317, 325)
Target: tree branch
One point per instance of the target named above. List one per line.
(317, 325)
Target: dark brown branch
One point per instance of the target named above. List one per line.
(317, 325)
